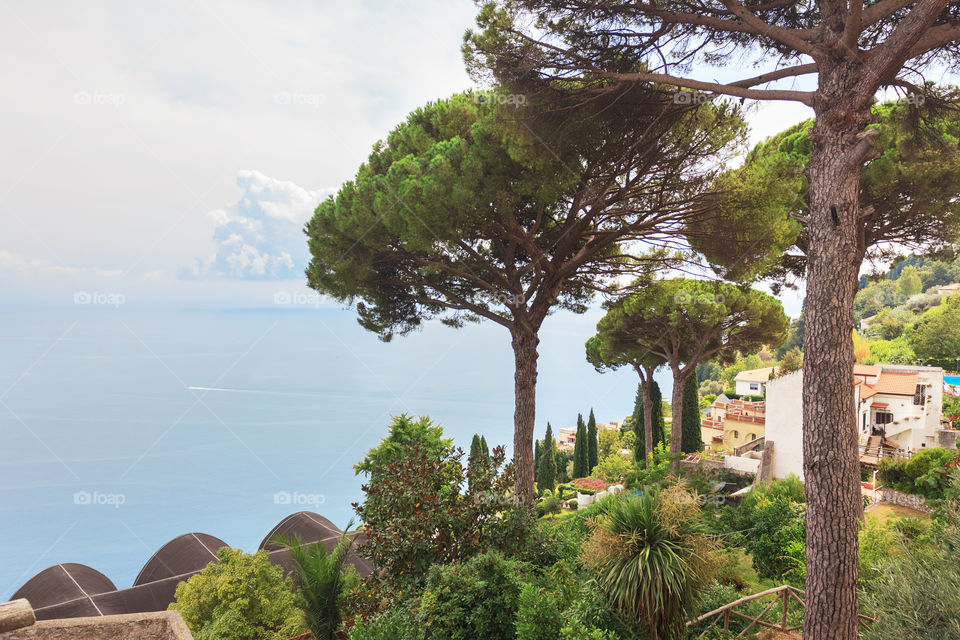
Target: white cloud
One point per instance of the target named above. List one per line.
(260, 236)
(11, 261)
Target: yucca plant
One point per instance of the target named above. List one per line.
(320, 578)
(651, 558)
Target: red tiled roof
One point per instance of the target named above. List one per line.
(901, 384)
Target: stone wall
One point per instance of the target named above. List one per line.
(163, 625)
(886, 495)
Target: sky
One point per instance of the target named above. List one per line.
(170, 153)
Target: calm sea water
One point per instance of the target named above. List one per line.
(121, 429)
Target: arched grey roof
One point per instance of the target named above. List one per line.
(185, 554)
(62, 583)
(304, 525)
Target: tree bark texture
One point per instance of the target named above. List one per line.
(676, 415)
(524, 417)
(647, 386)
(830, 453)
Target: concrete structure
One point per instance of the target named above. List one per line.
(752, 382)
(161, 625)
(897, 406)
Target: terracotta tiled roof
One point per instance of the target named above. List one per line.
(867, 369)
(755, 375)
(901, 384)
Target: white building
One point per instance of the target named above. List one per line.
(752, 382)
(898, 406)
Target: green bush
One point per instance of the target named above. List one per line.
(573, 504)
(924, 474)
(538, 614)
(550, 504)
(399, 623)
(243, 597)
(915, 595)
(474, 599)
(576, 630)
(892, 472)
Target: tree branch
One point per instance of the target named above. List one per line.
(786, 72)
(804, 97)
(761, 27)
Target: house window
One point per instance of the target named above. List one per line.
(920, 395)
(884, 418)
(736, 434)
(754, 386)
(751, 437)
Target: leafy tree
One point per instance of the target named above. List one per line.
(548, 462)
(415, 515)
(896, 351)
(580, 450)
(473, 209)
(861, 348)
(242, 597)
(538, 614)
(562, 458)
(404, 431)
(769, 520)
(690, 434)
(536, 462)
(937, 333)
(609, 441)
(792, 361)
(685, 322)
(795, 338)
(909, 282)
(651, 558)
(593, 451)
(477, 461)
(321, 577)
(850, 51)
(875, 297)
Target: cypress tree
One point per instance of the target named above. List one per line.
(593, 453)
(536, 464)
(659, 429)
(561, 462)
(476, 463)
(548, 461)
(485, 450)
(581, 451)
(691, 440)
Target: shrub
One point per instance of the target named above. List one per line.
(474, 599)
(651, 558)
(892, 472)
(550, 504)
(590, 484)
(771, 523)
(538, 614)
(615, 467)
(399, 623)
(573, 504)
(915, 595)
(243, 597)
(576, 630)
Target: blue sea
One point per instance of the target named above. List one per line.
(123, 428)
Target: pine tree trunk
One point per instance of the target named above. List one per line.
(830, 455)
(524, 416)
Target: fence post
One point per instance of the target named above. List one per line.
(786, 601)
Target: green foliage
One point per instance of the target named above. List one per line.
(616, 467)
(771, 523)
(593, 451)
(791, 361)
(896, 351)
(417, 515)
(538, 614)
(659, 426)
(917, 162)
(909, 282)
(926, 473)
(937, 333)
(915, 595)
(321, 578)
(546, 471)
(651, 558)
(397, 623)
(576, 630)
(243, 597)
(581, 450)
(691, 437)
(609, 441)
(404, 431)
(478, 598)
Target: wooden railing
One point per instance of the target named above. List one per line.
(784, 595)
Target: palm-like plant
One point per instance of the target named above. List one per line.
(319, 578)
(652, 558)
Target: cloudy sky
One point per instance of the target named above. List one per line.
(172, 151)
